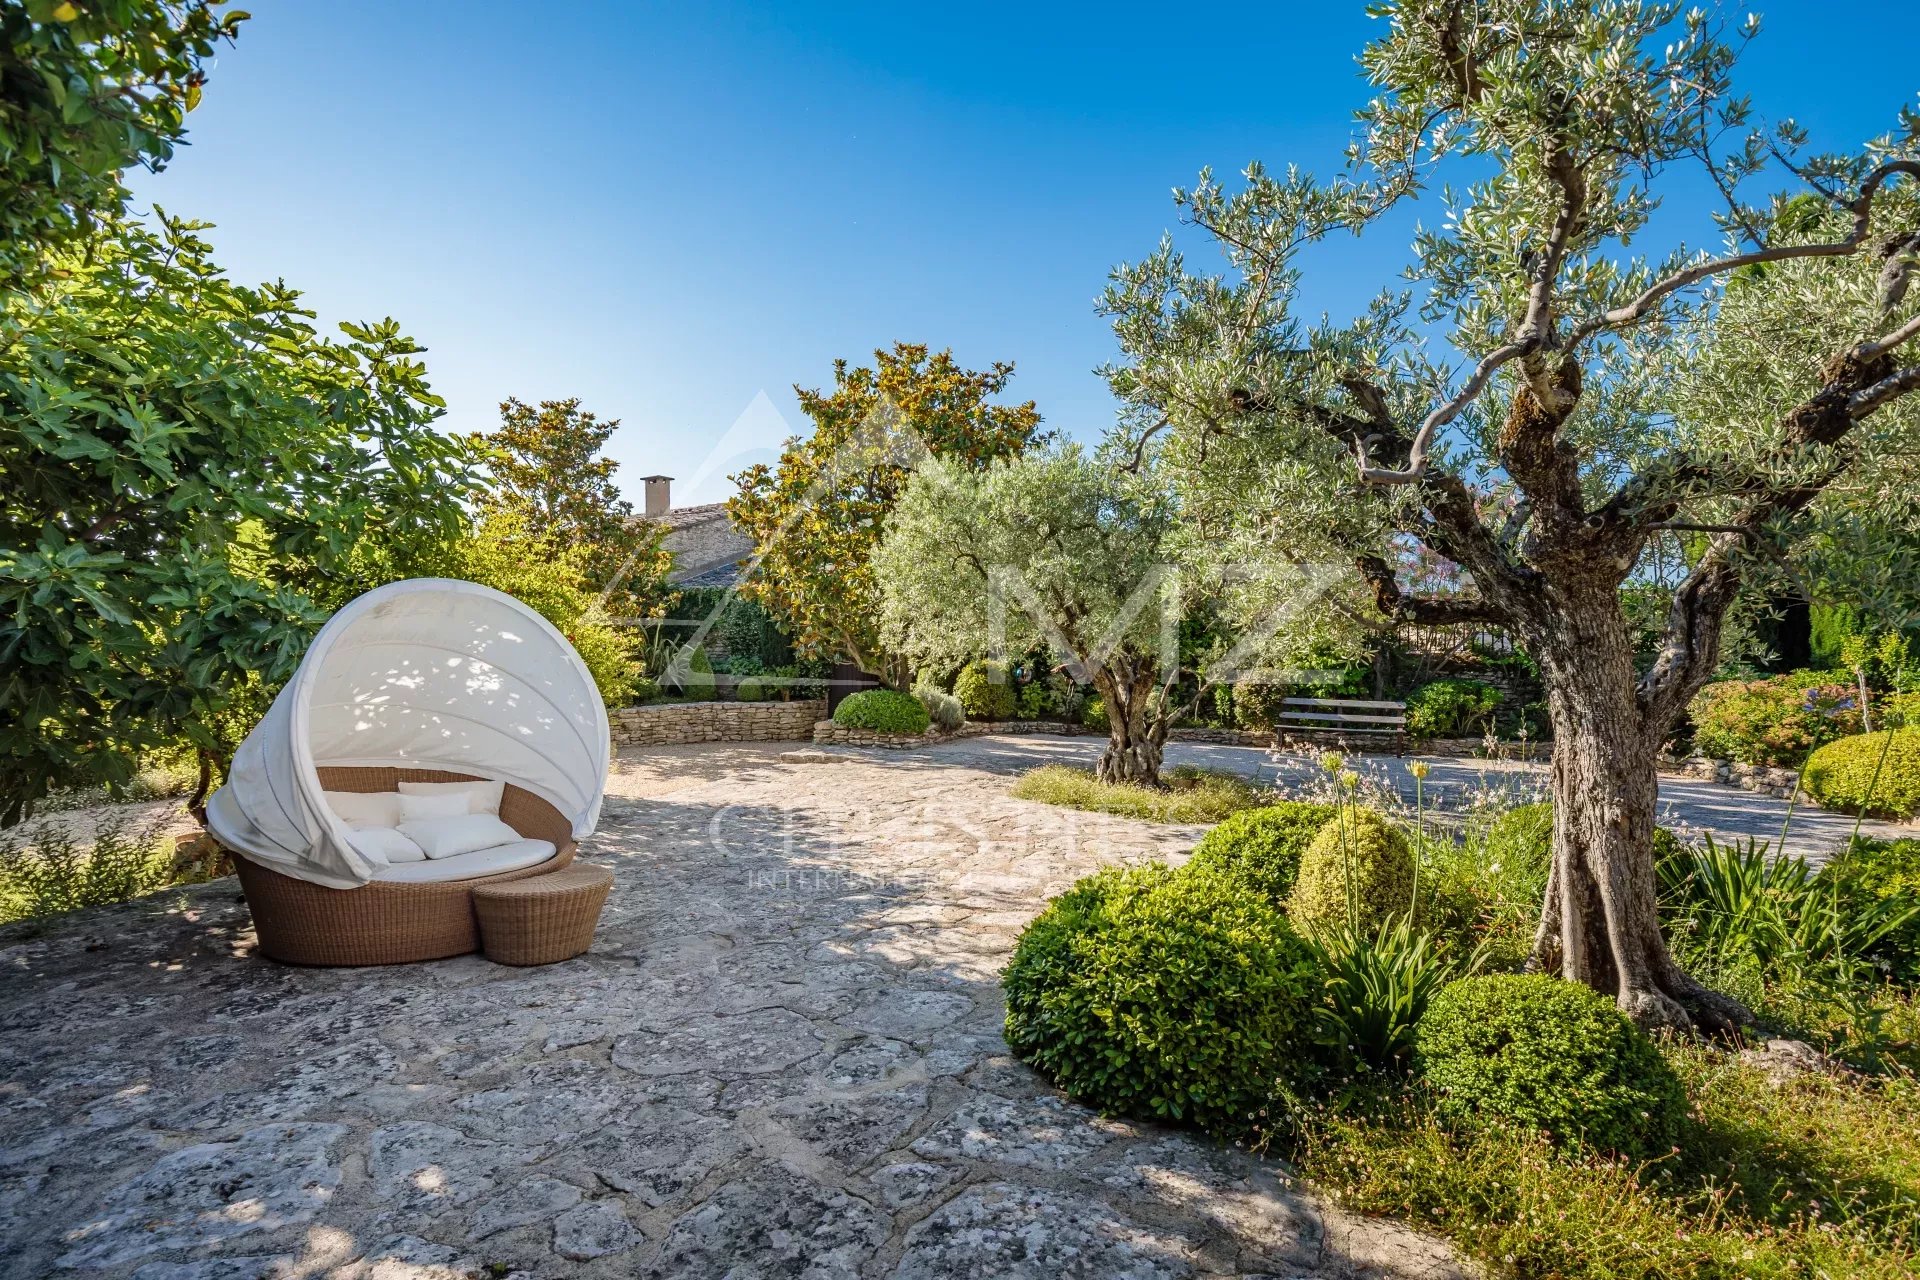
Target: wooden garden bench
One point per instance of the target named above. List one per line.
(1363, 725)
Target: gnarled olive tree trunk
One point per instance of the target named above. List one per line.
(1600, 921)
(1136, 726)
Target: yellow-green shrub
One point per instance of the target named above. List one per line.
(1357, 848)
(1262, 847)
(1840, 775)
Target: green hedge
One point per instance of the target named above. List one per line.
(883, 711)
(1261, 848)
(1548, 1055)
(985, 690)
(1451, 709)
(1840, 775)
(1150, 992)
(1363, 846)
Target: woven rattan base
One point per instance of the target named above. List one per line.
(543, 920)
(302, 923)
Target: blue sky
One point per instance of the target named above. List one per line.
(677, 212)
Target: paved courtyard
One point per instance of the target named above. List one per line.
(781, 1058)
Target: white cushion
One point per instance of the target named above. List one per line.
(384, 845)
(482, 797)
(439, 804)
(451, 837)
(365, 808)
(467, 866)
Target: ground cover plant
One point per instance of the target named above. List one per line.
(1188, 794)
(58, 868)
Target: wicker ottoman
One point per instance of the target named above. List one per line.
(542, 919)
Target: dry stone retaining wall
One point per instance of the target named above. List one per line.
(715, 722)
(841, 735)
(1748, 777)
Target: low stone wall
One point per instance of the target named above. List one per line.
(715, 722)
(839, 735)
(1481, 749)
(1764, 779)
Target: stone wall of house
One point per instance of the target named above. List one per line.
(715, 722)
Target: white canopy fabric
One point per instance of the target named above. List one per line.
(429, 673)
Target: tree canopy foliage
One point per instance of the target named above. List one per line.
(817, 516)
(87, 90)
(182, 455)
(549, 473)
(1061, 549)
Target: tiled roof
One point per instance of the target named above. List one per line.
(679, 516)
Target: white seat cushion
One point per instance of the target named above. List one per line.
(383, 845)
(517, 856)
(451, 837)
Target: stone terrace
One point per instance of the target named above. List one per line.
(781, 1058)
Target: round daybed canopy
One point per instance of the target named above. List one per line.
(427, 680)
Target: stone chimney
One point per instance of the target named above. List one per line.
(659, 496)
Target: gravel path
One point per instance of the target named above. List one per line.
(782, 1057)
(1686, 804)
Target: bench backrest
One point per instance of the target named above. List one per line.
(1345, 715)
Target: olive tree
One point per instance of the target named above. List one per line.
(1064, 549)
(1606, 406)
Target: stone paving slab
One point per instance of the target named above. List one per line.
(782, 1057)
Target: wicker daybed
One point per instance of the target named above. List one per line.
(432, 681)
(302, 923)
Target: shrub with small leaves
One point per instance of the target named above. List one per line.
(1093, 714)
(1150, 992)
(1261, 848)
(883, 711)
(1875, 773)
(1775, 721)
(1872, 872)
(1451, 708)
(1257, 704)
(54, 870)
(985, 690)
(943, 709)
(1548, 1055)
(1357, 871)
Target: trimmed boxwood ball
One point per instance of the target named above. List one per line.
(1840, 774)
(1155, 993)
(883, 711)
(985, 690)
(1548, 1055)
(1381, 863)
(1262, 847)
